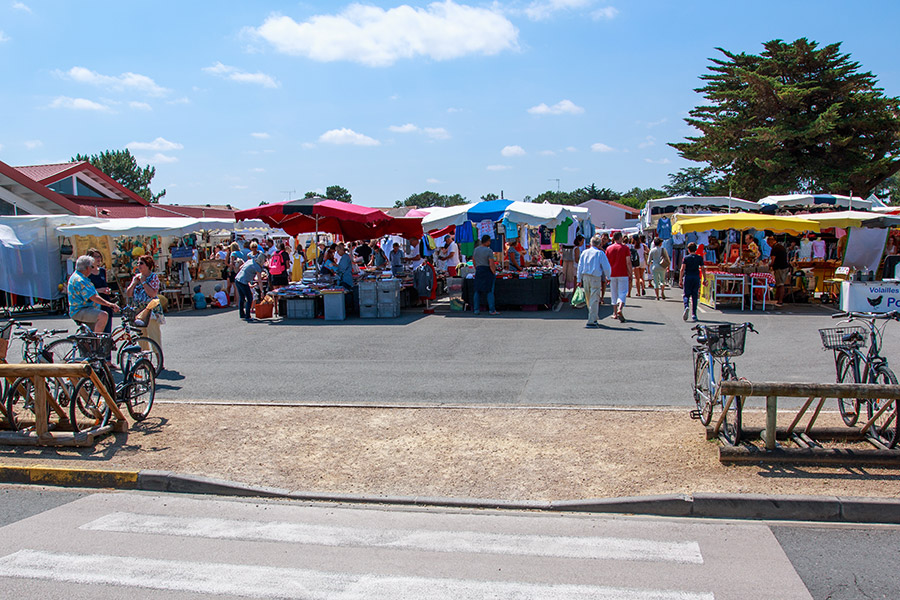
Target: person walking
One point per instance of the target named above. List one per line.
(593, 266)
(246, 276)
(619, 256)
(659, 263)
(692, 271)
(485, 274)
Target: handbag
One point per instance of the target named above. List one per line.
(578, 300)
(664, 261)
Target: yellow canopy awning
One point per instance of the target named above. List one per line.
(775, 223)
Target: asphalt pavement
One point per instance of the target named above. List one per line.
(542, 358)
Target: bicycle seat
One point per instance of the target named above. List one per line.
(132, 349)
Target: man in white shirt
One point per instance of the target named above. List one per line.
(593, 266)
(451, 252)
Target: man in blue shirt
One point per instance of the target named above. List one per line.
(593, 266)
(83, 297)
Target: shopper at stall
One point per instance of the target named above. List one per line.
(344, 267)
(692, 270)
(363, 253)
(234, 260)
(279, 263)
(570, 255)
(98, 278)
(659, 262)
(144, 291)
(84, 301)
(781, 268)
(619, 256)
(593, 266)
(640, 252)
(298, 263)
(396, 260)
(485, 274)
(379, 259)
(247, 276)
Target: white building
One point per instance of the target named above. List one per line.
(606, 214)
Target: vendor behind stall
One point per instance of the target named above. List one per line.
(144, 289)
(515, 260)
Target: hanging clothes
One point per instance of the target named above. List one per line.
(512, 229)
(664, 228)
(562, 232)
(465, 238)
(486, 227)
(546, 238)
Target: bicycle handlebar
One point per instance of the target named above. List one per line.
(867, 315)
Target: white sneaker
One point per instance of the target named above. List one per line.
(684, 315)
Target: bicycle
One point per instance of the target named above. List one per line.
(852, 366)
(123, 336)
(717, 344)
(19, 397)
(137, 390)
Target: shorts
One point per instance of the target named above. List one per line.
(231, 276)
(280, 279)
(618, 289)
(782, 276)
(87, 315)
(659, 276)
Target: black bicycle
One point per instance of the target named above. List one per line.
(852, 366)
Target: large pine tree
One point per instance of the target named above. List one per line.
(796, 118)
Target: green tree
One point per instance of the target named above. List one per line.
(336, 192)
(638, 197)
(890, 189)
(554, 197)
(489, 197)
(427, 199)
(694, 181)
(794, 118)
(122, 166)
(311, 195)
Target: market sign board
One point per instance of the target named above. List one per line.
(872, 296)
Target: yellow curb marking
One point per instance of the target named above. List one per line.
(73, 477)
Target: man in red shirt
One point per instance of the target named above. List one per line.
(619, 256)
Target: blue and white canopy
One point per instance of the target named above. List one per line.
(521, 213)
(770, 203)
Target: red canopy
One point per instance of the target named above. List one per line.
(350, 221)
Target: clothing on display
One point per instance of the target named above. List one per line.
(486, 227)
(664, 228)
(512, 229)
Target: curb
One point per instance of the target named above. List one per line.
(831, 509)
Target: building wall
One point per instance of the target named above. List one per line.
(604, 216)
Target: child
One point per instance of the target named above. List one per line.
(220, 299)
(199, 298)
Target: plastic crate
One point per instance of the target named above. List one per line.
(833, 338)
(368, 311)
(301, 308)
(389, 310)
(368, 292)
(335, 309)
(385, 285)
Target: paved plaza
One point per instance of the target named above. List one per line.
(518, 358)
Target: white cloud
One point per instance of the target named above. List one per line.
(182, 100)
(158, 145)
(544, 9)
(132, 82)
(77, 104)
(258, 170)
(571, 149)
(547, 153)
(240, 76)
(260, 135)
(408, 128)
(563, 107)
(513, 151)
(158, 158)
(661, 161)
(437, 133)
(347, 136)
(605, 14)
(33, 144)
(648, 141)
(429, 180)
(598, 147)
(498, 167)
(4, 37)
(452, 110)
(140, 106)
(21, 6)
(307, 145)
(378, 38)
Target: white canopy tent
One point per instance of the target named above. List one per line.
(815, 200)
(163, 226)
(549, 215)
(442, 216)
(654, 209)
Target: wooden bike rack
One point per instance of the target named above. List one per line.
(807, 438)
(44, 402)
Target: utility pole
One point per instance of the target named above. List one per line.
(557, 183)
(289, 193)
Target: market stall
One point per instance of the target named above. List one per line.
(738, 276)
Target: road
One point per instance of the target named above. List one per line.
(72, 545)
(519, 358)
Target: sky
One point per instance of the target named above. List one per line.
(247, 102)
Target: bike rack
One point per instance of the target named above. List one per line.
(43, 403)
(809, 450)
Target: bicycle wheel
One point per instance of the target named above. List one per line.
(63, 351)
(849, 407)
(701, 389)
(88, 409)
(156, 354)
(731, 424)
(19, 403)
(885, 426)
(139, 390)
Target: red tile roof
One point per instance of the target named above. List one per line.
(41, 172)
(629, 209)
(113, 209)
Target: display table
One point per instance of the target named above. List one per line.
(870, 296)
(722, 289)
(543, 291)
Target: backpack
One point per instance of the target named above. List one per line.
(635, 259)
(276, 264)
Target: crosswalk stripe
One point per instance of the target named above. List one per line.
(279, 582)
(601, 548)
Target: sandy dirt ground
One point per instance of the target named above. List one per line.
(497, 453)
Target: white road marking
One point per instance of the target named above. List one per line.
(277, 582)
(604, 548)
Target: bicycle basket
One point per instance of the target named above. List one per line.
(94, 346)
(731, 337)
(833, 338)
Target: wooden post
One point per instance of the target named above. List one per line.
(771, 419)
(40, 406)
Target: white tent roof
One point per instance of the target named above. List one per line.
(663, 206)
(550, 215)
(171, 226)
(802, 200)
(442, 216)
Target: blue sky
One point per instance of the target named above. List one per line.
(243, 102)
